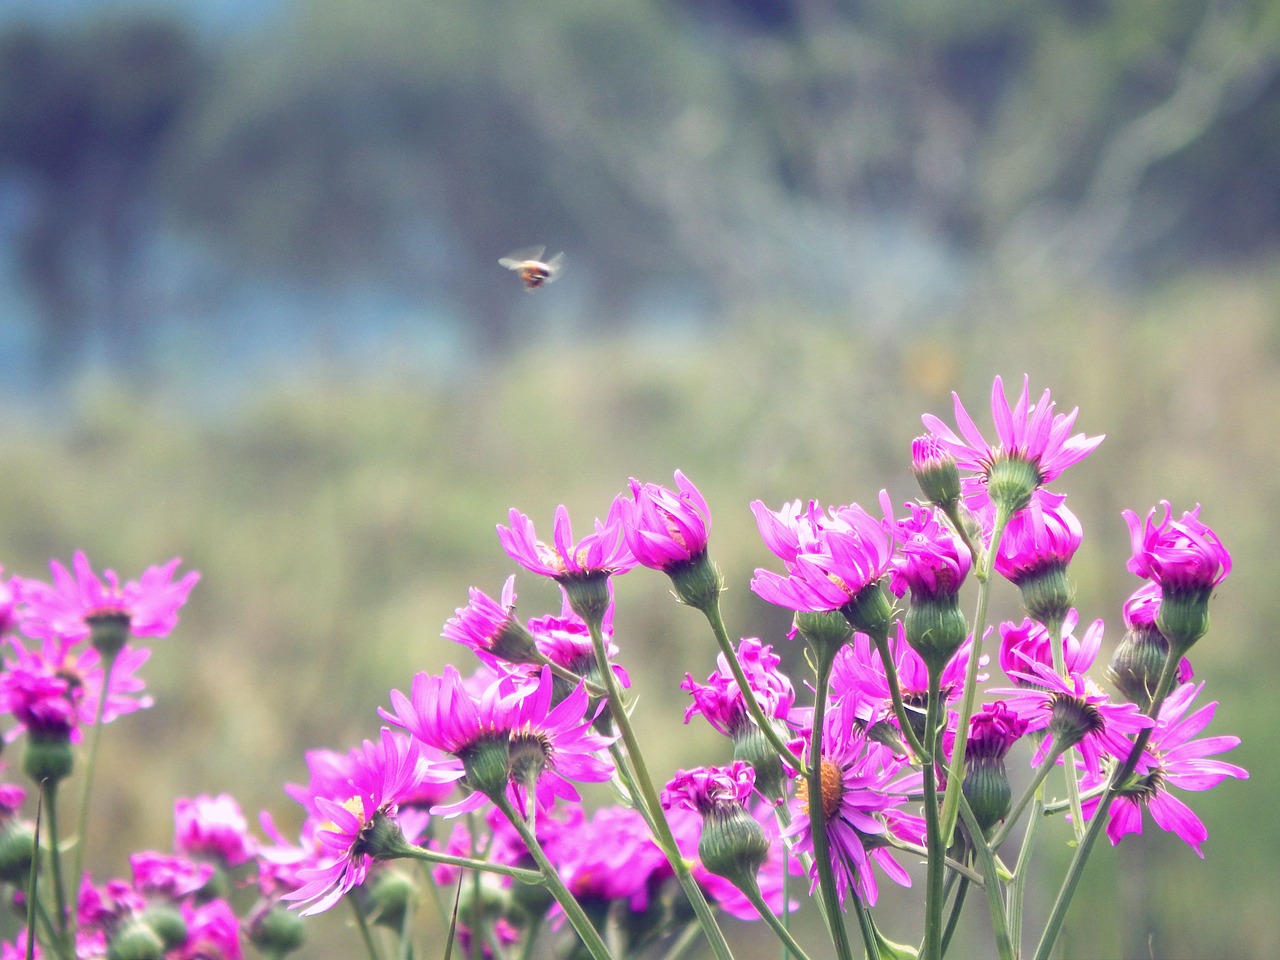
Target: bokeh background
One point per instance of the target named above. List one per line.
(251, 315)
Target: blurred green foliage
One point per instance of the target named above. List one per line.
(338, 521)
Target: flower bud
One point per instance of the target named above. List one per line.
(870, 611)
(167, 924)
(1011, 481)
(17, 847)
(826, 632)
(733, 845)
(488, 765)
(135, 940)
(588, 594)
(276, 931)
(108, 632)
(751, 745)
(696, 582)
(48, 757)
(390, 893)
(1137, 663)
(936, 628)
(935, 470)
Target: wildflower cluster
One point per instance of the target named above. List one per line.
(896, 752)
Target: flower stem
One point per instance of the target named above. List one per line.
(1022, 869)
(573, 911)
(991, 883)
(714, 617)
(936, 867)
(95, 740)
(50, 791)
(818, 824)
(1096, 825)
(1033, 788)
(430, 856)
(955, 774)
(752, 893)
(362, 923)
(647, 799)
(895, 692)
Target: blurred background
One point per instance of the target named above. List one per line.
(251, 315)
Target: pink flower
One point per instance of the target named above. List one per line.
(603, 552)
(213, 933)
(1027, 643)
(82, 668)
(665, 529)
(722, 703)
(65, 610)
(1044, 535)
(861, 801)
(1172, 759)
(1033, 435)
(566, 641)
(707, 790)
(1180, 554)
(44, 705)
(387, 772)
(931, 560)
(213, 827)
(167, 875)
(612, 856)
(830, 557)
(518, 719)
(1076, 712)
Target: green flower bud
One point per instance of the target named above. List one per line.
(17, 847)
(277, 931)
(936, 628)
(697, 582)
(733, 845)
(135, 940)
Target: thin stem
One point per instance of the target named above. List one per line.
(818, 824)
(1033, 788)
(955, 774)
(1054, 628)
(362, 923)
(573, 911)
(716, 620)
(957, 868)
(936, 867)
(895, 692)
(50, 791)
(95, 740)
(1022, 869)
(995, 902)
(957, 906)
(1096, 825)
(430, 856)
(752, 893)
(648, 802)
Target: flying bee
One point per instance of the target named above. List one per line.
(531, 268)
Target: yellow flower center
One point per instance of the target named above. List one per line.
(832, 790)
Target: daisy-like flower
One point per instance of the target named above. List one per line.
(491, 628)
(665, 529)
(45, 705)
(1027, 643)
(610, 857)
(832, 558)
(566, 641)
(1034, 446)
(213, 827)
(509, 738)
(81, 667)
(1172, 758)
(733, 844)
(1188, 560)
(860, 684)
(1044, 535)
(77, 605)
(721, 701)
(361, 824)
(862, 804)
(1075, 712)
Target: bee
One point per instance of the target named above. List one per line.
(532, 269)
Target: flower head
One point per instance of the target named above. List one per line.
(830, 557)
(1027, 643)
(1034, 444)
(68, 609)
(491, 629)
(603, 552)
(82, 668)
(360, 820)
(931, 559)
(721, 701)
(206, 826)
(1046, 534)
(1172, 758)
(665, 529)
(508, 738)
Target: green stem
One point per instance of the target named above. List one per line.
(1033, 788)
(955, 774)
(957, 906)
(50, 791)
(716, 620)
(753, 895)
(818, 823)
(573, 911)
(936, 867)
(95, 740)
(995, 900)
(1022, 869)
(895, 692)
(1076, 870)
(1059, 655)
(366, 934)
(648, 802)
(430, 856)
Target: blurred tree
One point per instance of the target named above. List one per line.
(84, 114)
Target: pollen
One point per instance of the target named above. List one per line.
(832, 790)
